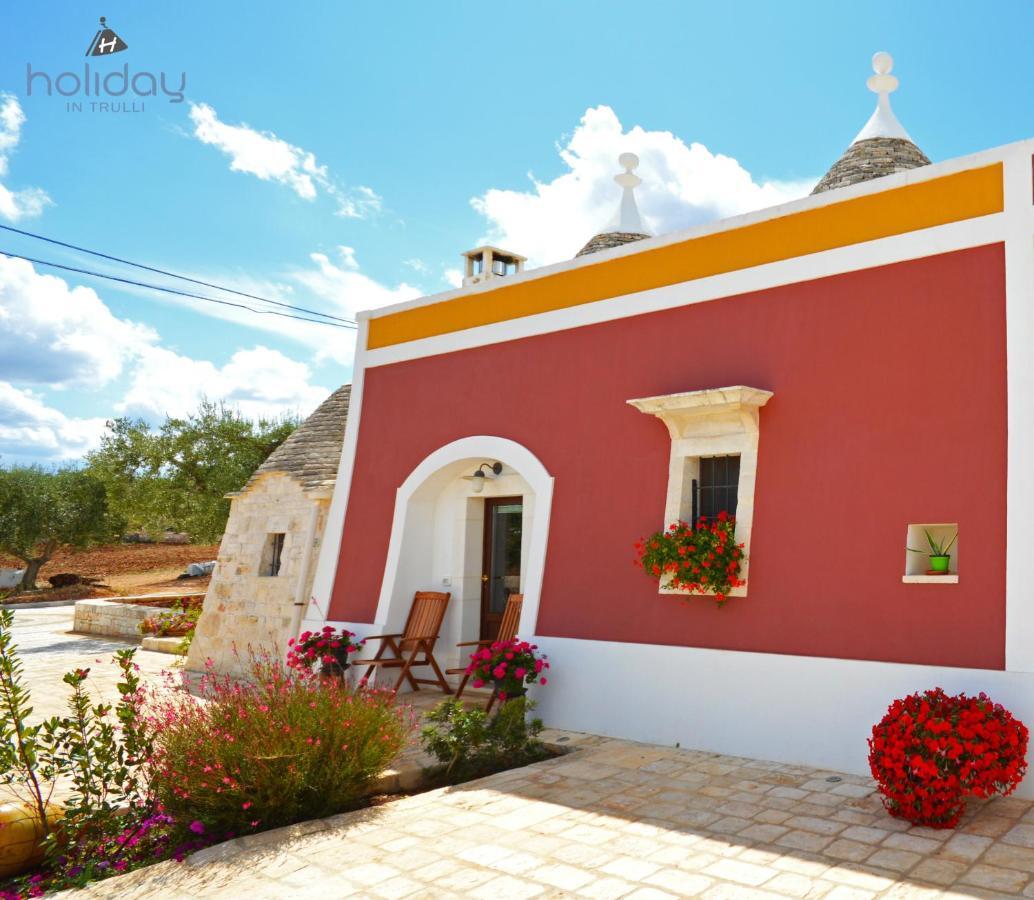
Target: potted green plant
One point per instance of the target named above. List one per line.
(940, 557)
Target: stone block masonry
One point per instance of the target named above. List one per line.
(111, 618)
(245, 610)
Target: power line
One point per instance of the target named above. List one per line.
(128, 262)
(168, 290)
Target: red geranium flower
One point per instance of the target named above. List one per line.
(932, 750)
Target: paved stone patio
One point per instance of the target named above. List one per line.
(611, 819)
(48, 649)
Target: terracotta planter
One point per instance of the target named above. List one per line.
(20, 837)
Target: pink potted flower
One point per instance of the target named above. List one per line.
(510, 666)
(327, 649)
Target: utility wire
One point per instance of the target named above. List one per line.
(168, 290)
(128, 262)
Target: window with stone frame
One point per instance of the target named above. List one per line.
(714, 456)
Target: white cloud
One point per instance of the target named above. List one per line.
(453, 277)
(359, 203)
(270, 158)
(51, 333)
(417, 265)
(60, 336)
(27, 202)
(347, 287)
(31, 429)
(683, 185)
(259, 153)
(259, 382)
(333, 285)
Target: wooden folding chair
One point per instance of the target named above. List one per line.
(508, 626)
(415, 646)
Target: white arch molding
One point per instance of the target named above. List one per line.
(424, 484)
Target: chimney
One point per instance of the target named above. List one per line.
(486, 262)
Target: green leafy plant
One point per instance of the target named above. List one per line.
(469, 744)
(24, 766)
(107, 823)
(941, 547)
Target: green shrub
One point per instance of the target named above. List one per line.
(284, 748)
(469, 744)
(108, 822)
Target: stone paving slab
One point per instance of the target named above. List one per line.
(48, 648)
(619, 819)
(612, 819)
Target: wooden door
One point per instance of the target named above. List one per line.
(501, 560)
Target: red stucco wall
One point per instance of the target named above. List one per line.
(889, 408)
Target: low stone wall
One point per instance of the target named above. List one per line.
(110, 618)
(162, 644)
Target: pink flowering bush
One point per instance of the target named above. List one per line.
(161, 773)
(327, 648)
(284, 747)
(510, 666)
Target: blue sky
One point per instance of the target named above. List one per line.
(340, 155)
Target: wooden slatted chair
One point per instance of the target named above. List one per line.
(415, 646)
(508, 626)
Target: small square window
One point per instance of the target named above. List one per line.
(272, 554)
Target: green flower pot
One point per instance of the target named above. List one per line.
(939, 564)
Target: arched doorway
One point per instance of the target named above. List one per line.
(447, 536)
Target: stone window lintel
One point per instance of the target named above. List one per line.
(711, 422)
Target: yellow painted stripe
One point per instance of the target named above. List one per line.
(939, 201)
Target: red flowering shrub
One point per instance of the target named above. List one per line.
(932, 750)
(285, 747)
(328, 648)
(698, 560)
(510, 665)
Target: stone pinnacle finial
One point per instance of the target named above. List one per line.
(628, 220)
(883, 122)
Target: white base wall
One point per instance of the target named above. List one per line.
(793, 709)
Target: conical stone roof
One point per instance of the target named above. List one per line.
(610, 239)
(882, 147)
(312, 451)
(872, 158)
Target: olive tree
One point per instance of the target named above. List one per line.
(41, 511)
(177, 475)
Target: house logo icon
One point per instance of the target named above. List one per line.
(105, 42)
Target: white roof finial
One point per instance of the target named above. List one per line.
(883, 122)
(628, 220)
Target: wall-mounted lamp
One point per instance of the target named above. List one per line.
(479, 476)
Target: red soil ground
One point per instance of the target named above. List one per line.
(123, 569)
